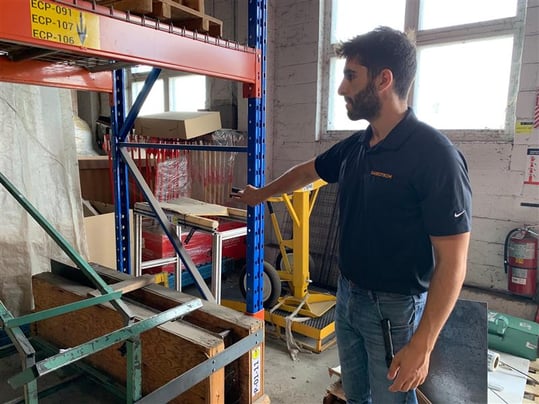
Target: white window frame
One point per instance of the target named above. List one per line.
(494, 28)
(166, 76)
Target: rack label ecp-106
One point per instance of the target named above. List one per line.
(62, 24)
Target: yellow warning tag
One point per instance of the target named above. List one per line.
(58, 23)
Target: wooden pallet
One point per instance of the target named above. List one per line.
(531, 392)
(188, 14)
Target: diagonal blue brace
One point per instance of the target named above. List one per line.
(168, 228)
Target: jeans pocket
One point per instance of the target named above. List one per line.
(399, 309)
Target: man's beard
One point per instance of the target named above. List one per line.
(365, 104)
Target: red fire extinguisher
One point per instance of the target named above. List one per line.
(520, 261)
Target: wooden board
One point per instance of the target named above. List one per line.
(189, 206)
(182, 13)
(192, 212)
(212, 317)
(95, 177)
(167, 350)
(146, 5)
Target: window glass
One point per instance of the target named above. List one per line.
(141, 69)
(354, 17)
(337, 115)
(465, 49)
(464, 85)
(187, 93)
(155, 101)
(438, 14)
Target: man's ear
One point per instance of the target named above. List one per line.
(384, 80)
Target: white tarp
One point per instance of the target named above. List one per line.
(38, 155)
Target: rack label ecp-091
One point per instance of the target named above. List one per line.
(62, 24)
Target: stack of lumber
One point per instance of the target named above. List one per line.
(167, 351)
(182, 13)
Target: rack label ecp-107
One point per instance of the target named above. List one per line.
(62, 24)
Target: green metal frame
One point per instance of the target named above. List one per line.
(71, 355)
(26, 352)
(129, 333)
(56, 311)
(67, 248)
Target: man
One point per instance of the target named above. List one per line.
(404, 223)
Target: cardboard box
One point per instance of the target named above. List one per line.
(178, 125)
(101, 239)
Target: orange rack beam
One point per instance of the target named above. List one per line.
(99, 38)
(55, 75)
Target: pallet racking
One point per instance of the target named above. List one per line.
(84, 46)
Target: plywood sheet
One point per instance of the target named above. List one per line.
(167, 350)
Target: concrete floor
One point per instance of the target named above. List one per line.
(300, 381)
(303, 381)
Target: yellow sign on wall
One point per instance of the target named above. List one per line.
(524, 127)
(58, 23)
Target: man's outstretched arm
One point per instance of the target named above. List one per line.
(298, 176)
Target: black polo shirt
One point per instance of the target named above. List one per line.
(392, 197)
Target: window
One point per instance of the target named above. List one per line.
(172, 91)
(466, 60)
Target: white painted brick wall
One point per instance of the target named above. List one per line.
(497, 183)
(496, 168)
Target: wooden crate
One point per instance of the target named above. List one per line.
(239, 375)
(167, 351)
(182, 13)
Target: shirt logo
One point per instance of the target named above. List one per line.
(458, 214)
(381, 174)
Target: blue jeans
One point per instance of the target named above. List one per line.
(361, 343)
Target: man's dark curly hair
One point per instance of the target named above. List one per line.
(384, 48)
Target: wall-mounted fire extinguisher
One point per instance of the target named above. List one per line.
(520, 261)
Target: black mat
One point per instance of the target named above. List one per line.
(458, 367)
